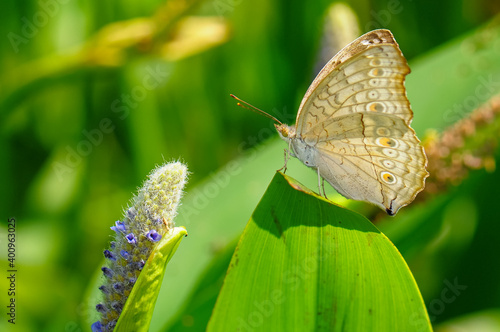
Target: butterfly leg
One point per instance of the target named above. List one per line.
(286, 157)
(321, 184)
(286, 161)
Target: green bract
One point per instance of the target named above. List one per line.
(136, 314)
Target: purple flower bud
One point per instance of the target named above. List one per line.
(125, 254)
(119, 227)
(140, 265)
(116, 305)
(111, 325)
(104, 289)
(96, 327)
(128, 252)
(101, 308)
(153, 236)
(107, 272)
(131, 238)
(109, 254)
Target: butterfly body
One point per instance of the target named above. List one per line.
(298, 147)
(353, 125)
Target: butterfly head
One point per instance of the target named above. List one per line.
(286, 132)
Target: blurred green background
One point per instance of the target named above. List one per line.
(95, 94)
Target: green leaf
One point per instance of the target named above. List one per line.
(136, 314)
(305, 264)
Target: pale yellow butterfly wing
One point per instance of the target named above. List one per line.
(357, 116)
(365, 76)
(378, 161)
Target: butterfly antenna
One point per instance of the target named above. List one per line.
(252, 108)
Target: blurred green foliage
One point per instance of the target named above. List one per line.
(87, 108)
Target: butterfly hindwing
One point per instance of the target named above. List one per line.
(379, 161)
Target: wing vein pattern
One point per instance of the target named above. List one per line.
(356, 117)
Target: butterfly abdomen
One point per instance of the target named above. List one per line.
(304, 152)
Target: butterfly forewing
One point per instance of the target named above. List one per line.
(357, 116)
(372, 81)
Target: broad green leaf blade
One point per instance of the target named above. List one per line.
(304, 264)
(136, 314)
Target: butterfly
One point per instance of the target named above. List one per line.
(353, 125)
